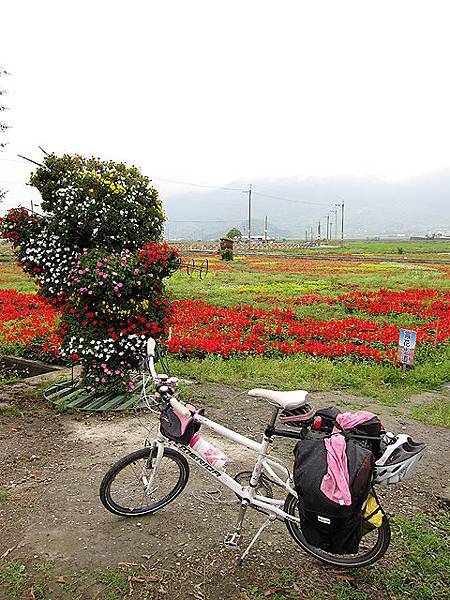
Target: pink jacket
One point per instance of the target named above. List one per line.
(335, 482)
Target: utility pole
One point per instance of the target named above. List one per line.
(342, 223)
(336, 206)
(311, 233)
(249, 214)
(318, 233)
(306, 235)
(265, 229)
(328, 227)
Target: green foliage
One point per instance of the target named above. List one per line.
(420, 570)
(436, 413)
(234, 234)
(13, 577)
(115, 582)
(226, 254)
(3, 496)
(92, 203)
(386, 383)
(97, 255)
(117, 302)
(62, 406)
(11, 411)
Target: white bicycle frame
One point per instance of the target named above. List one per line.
(263, 464)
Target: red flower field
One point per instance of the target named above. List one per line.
(29, 324)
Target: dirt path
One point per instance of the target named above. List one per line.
(51, 467)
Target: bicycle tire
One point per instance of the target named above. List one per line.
(116, 508)
(364, 560)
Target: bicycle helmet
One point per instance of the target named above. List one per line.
(399, 460)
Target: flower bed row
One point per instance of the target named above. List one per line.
(199, 329)
(424, 304)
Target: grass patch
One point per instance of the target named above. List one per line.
(115, 583)
(386, 383)
(416, 568)
(10, 411)
(13, 578)
(436, 413)
(61, 406)
(421, 567)
(3, 496)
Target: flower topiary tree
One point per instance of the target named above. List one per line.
(97, 255)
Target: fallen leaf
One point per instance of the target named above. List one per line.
(348, 578)
(274, 590)
(143, 579)
(31, 595)
(60, 580)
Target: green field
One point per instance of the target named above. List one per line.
(268, 282)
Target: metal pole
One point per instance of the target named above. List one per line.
(335, 221)
(342, 223)
(265, 229)
(249, 214)
(306, 235)
(311, 233)
(328, 227)
(318, 234)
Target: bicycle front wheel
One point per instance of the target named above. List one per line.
(372, 546)
(125, 489)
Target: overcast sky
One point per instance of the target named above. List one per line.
(213, 92)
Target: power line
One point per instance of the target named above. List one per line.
(289, 199)
(199, 221)
(14, 160)
(199, 185)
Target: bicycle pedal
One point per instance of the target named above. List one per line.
(232, 541)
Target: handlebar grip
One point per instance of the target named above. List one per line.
(180, 409)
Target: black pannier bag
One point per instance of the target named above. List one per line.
(335, 528)
(176, 428)
(372, 428)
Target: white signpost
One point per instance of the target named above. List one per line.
(407, 347)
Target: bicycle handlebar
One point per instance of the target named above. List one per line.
(177, 406)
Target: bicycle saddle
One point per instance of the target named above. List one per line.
(285, 400)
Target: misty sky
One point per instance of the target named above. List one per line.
(213, 92)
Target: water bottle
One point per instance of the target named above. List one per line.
(213, 456)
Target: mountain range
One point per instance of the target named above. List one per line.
(373, 207)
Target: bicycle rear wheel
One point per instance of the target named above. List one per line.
(125, 488)
(372, 546)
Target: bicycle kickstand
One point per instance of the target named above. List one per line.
(232, 539)
(263, 527)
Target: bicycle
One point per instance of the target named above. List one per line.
(163, 473)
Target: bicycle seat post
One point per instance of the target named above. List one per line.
(274, 417)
